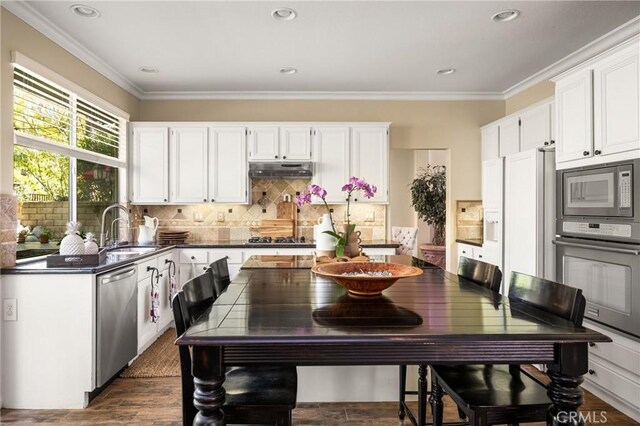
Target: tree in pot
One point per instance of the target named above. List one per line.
(428, 195)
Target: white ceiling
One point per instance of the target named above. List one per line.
(337, 46)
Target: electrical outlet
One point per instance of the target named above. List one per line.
(220, 216)
(370, 217)
(10, 309)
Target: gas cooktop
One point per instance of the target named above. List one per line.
(276, 240)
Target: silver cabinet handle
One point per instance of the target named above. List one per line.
(609, 249)
(119, 276)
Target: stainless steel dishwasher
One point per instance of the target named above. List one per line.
(117, 326)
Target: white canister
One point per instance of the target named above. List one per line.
(90, 245)
(324, 242)
(73, 243)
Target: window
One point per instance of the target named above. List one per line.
(69, 160)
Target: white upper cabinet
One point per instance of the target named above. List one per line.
(264, 143)
(492, 184)
(295, 143)
(188, 171)
(370, 160)
(331, 151)
(509, 136)
(228, 165)
(573, 117)
(598, 109)
(149, 166)
(616, 95)
(535, 127)
(490, 136)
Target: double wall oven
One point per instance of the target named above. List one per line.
(598, 240)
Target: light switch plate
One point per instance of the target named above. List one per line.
(220, 216)
(10, 309)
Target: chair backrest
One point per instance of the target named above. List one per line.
(481, 273)
(406, 237)
(219, 273)
(188, 304)
(549, 296)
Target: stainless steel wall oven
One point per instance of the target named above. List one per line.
(598, 240)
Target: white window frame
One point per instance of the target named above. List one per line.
(71, 150)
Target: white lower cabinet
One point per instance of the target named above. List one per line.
(614, 371)
(149, 331)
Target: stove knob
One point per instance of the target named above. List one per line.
(302, 239)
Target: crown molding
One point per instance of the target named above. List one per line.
(43, 25)
(596, 47)
(293, 95)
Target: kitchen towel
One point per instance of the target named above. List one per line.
(154, 312)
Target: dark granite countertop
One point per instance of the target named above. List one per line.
(306, 262)
(39, 266)
(471, 241)
(308, 244)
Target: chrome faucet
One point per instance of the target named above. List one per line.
(103, 234)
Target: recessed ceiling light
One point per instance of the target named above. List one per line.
(505, 15)
(85, 11)
(149, 70)
(284, 14)
(288, 70)
(446, 71)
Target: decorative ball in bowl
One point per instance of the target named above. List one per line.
(366, 278)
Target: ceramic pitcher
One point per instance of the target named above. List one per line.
(352, 248)
(325, 242)
(152, 224)
(145, 236)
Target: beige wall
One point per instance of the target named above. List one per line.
(17, 35)
(530, 96)
(452, 125)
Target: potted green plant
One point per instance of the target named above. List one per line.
(44, 236)
(428, 197)
(22, 235)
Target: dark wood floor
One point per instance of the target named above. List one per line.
(157, 402)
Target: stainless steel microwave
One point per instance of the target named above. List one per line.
(608, 190)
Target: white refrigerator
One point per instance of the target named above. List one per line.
(529, 214)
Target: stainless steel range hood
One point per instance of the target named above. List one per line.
(280, 170)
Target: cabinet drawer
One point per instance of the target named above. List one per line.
(193, 255)
(478, 254)
(465, 250)
(621, 385)
(143, 273)
(623, 352)
(187, 271)
(163, 258)
(235, 256)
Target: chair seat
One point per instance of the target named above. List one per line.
(491, 386)
(270, 386)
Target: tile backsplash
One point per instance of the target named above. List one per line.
(224, 222)
(469, 217)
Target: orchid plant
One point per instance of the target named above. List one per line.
(354, 184)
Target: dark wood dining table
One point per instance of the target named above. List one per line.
(279, 315)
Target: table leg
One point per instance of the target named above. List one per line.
(564, 389)
(422, 395)
(208, 377)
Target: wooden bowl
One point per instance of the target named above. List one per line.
(365, 285)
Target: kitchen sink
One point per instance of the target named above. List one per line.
(132, 250)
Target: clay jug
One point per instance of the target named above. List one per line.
(352, 248)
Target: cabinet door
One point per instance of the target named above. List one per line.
(228, 165)
(150, 165)
(535, 127)
(147, 330)
(492, 172)
(295, 143)
(490, 143)
(164, 291)
(573, 122)
(509, 137)
(264, 143)
(331, 148)
(370, 160)
(616, 93)
(188, 165)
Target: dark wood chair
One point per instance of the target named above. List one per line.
(481, 273)
(496, 394)
(255, 395)
(219, 272)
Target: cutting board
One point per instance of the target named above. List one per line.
(288, 210)
(277, 228)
